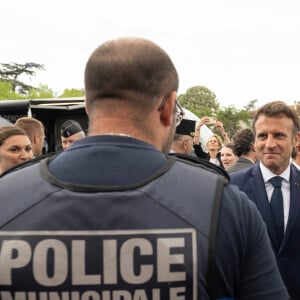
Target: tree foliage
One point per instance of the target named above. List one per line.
(72, 93)
(6, 92)
(43, 91)
(199, 100)
(12, 88)
(11, 73)
(203, 102)
(250, 106)
(233, 119)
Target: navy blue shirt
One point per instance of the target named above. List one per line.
(109, 160)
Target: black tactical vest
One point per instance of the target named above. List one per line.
(153, 240)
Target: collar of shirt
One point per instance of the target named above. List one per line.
(244, 157)
(296, 165)
(267, 174)
(285, 187)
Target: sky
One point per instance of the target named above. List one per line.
(240, 50)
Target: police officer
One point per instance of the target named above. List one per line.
(115, 217)
(70, 132)
(184, 137)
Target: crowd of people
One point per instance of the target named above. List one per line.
(25, 141)
(137, 209)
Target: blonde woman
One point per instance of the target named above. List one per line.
(214, 143)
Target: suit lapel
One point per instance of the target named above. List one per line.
(294, 202)
(260, 198)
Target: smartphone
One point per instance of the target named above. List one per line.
(212, 120)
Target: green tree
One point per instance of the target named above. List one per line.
(6, 92)
(72, 93)
(199, 100)
(233, 119)
(43, 91)
(250, 106)
(11, 72)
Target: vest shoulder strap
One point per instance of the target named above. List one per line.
(210, 274)
(201, 162)
(223, 179)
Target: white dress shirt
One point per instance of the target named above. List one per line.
(285, 187)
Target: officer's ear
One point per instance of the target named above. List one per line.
(185, 143)
(167, 108)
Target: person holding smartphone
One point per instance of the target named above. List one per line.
(214, 143)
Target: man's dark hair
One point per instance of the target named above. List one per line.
(294, 153)
(243, 142)
(131, 69)
(277, 109)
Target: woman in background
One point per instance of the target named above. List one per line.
(15, 147)
(214, 143)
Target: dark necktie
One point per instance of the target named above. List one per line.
(277, 206)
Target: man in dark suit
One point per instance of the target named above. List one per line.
(243, 147)
(275, 127)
